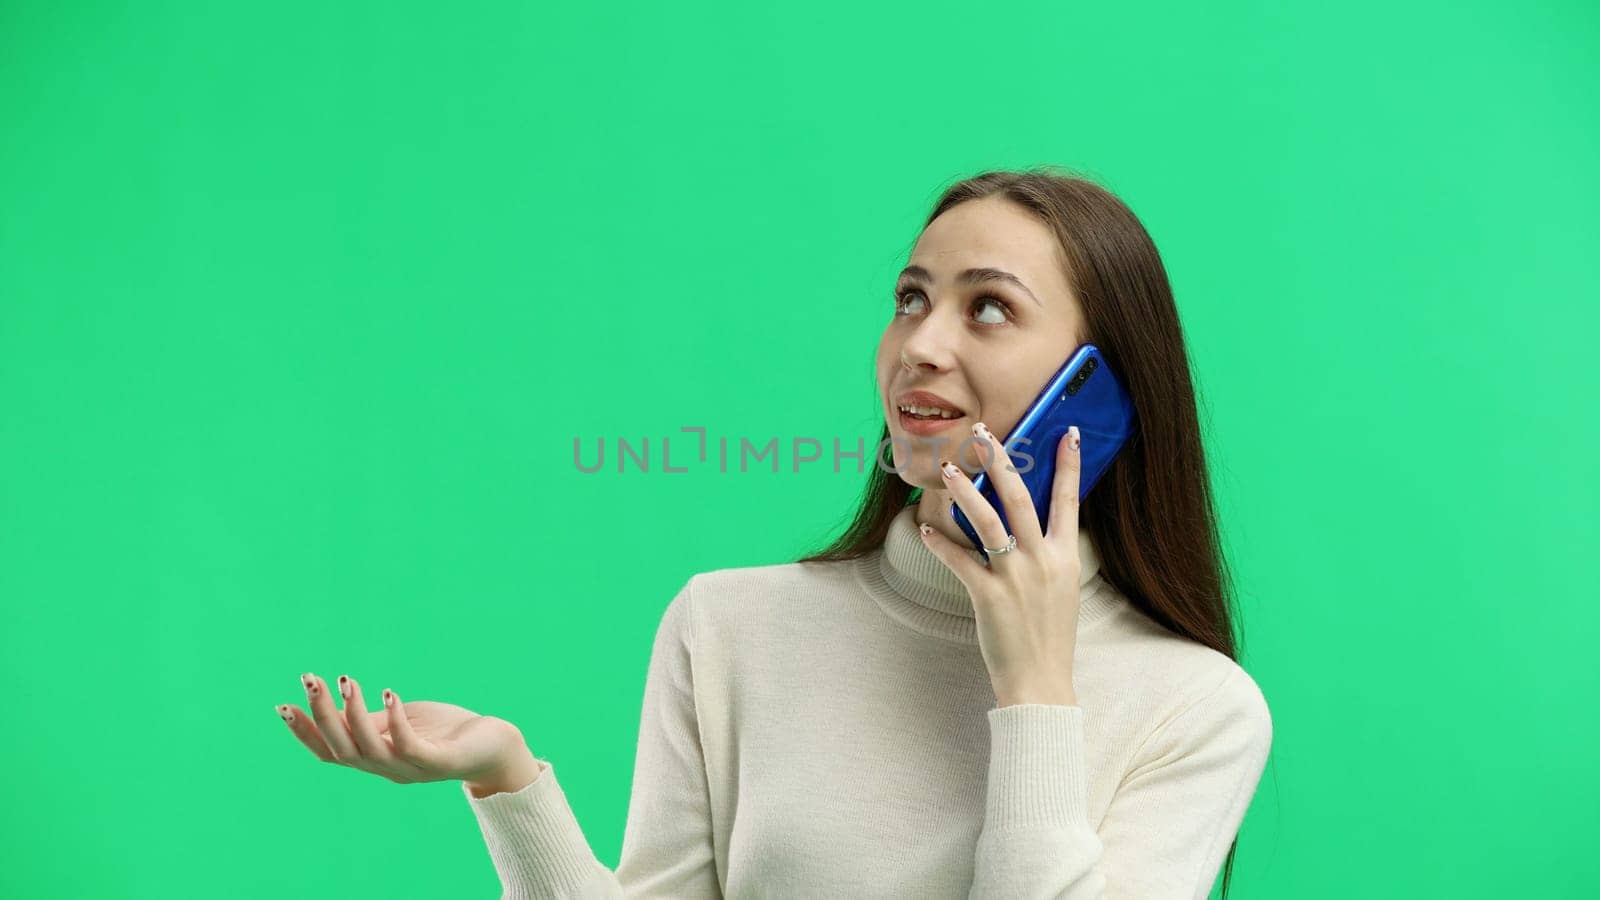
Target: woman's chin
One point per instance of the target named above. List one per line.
(918, 458)
(925, 477)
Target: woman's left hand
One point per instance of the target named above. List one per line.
(1025, 602)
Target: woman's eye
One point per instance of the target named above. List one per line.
(994, 304)
(904, 299)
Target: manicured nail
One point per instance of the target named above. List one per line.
(287, 714)
(344, 687)
(949, 469)
(388, 697)
(1072, 436)
(310, 682)
(925, 528)
(981, 430)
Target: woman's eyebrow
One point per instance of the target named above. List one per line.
(979, 275)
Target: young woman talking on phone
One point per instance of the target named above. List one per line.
(903, 714)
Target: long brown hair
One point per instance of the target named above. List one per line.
(1151, 516)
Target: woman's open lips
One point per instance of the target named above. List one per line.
(925, 424)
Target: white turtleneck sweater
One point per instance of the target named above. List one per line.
(829, 730)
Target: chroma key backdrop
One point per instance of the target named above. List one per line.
(305, 307)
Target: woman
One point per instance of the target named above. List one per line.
(896, 716)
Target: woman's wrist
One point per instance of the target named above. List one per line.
(508, 777)
(1051, 692)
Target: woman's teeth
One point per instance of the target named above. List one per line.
(930, 412)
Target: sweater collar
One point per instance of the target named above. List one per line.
(916, 589)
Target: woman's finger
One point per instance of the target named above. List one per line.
(958, 559)
(985, 521)
(409, 749)
(373, 748)
(330, 722)
(1008, 485)
(400, 733)
(1064, 501)
(304, 730)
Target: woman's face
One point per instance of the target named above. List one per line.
(984, 348)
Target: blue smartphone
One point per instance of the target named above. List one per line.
(1083, 392)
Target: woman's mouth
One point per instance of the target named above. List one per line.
(927, 419)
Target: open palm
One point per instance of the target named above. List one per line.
(419, 741)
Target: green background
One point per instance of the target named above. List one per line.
(302, 306)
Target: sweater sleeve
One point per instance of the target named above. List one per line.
(536, 844)
(1168, 826)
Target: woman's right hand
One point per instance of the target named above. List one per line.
(412, 742)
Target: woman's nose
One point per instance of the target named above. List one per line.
(926, 348)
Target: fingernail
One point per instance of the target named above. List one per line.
(344, 687)
(388, 697)
(981, 430)
(310, 681)
(949, 469)
(1072, 436)
(286, 713)
(925, 528)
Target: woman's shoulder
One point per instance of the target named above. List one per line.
(754, 593)
(1185, 676)
(743, 585)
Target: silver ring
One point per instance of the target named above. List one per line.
(1010, 546)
